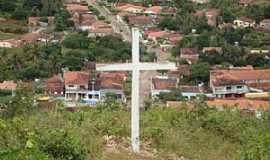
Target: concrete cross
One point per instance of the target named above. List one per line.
(136, 66)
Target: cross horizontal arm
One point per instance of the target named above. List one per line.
(114, 67)
(138, 66)
(157, 66)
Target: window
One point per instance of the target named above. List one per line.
(229, 88)
(70, 86)
(90, 96)
(82, 87)
(239, 87)
(96, 96)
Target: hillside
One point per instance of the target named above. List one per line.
(103, 133)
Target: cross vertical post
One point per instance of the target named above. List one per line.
(135, 106)
(135, 67)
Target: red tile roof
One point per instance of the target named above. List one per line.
(76, 78)
(154, 10)
(76, 8)
(164, 83)
(239, 76)
(142, 20)
(30, 37)
(112, 80)
(8, 85)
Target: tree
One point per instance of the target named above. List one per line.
(200, 71)
(168, 23)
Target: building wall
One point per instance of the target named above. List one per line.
(229, 89)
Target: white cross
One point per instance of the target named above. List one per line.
(136, 66)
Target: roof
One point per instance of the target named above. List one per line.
(13, 42)
(55, 79)
(199, 14)
(8, 85)
(212, 12)
(88, 19)
(100, 24)
(192, 89)
(242, 104)
(211, 50)
(30, 37)
(126, 7)
(188, 51)
(265, 21)
(112, 80)
(164, 83)
(154, 10)
(76, 8)
(139, 20)
(246, 19)
(238, 76)
(76, 78)
(156, 34)
(245, 1)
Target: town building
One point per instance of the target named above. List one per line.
(211, 16)
(244, 22)
(8, 85)
(87, 87)
(236, 82)
(130, 8)
(200, 1)
(189, 54)
(265, 24)
(154, 10)
(162, 84)
(191, 92)
(10, 43)
(245, 3)
(75, 8)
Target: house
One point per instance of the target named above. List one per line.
(76, 85)
(211, 16)
(30, 38)
(235, 82)
(162, 84)
(191, 92)
(155, 34)
(154, 10)
(73, 8)
(259, 51)
(130, 8)
(36, 21)
(33, 21)
(113, 82)
(265, 24)
(200, 1)
(86, 87)
(182, 71)
(244, 22)
(245, 3)
(55, 85)
(8, 85)
(100, 28)
(211, 50)
(189, 54)
(86, 21)
(10, 43)
(140, 20)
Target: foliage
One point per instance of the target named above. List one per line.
(173, 95)
(200, 71)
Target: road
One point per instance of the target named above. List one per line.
(118, 26)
